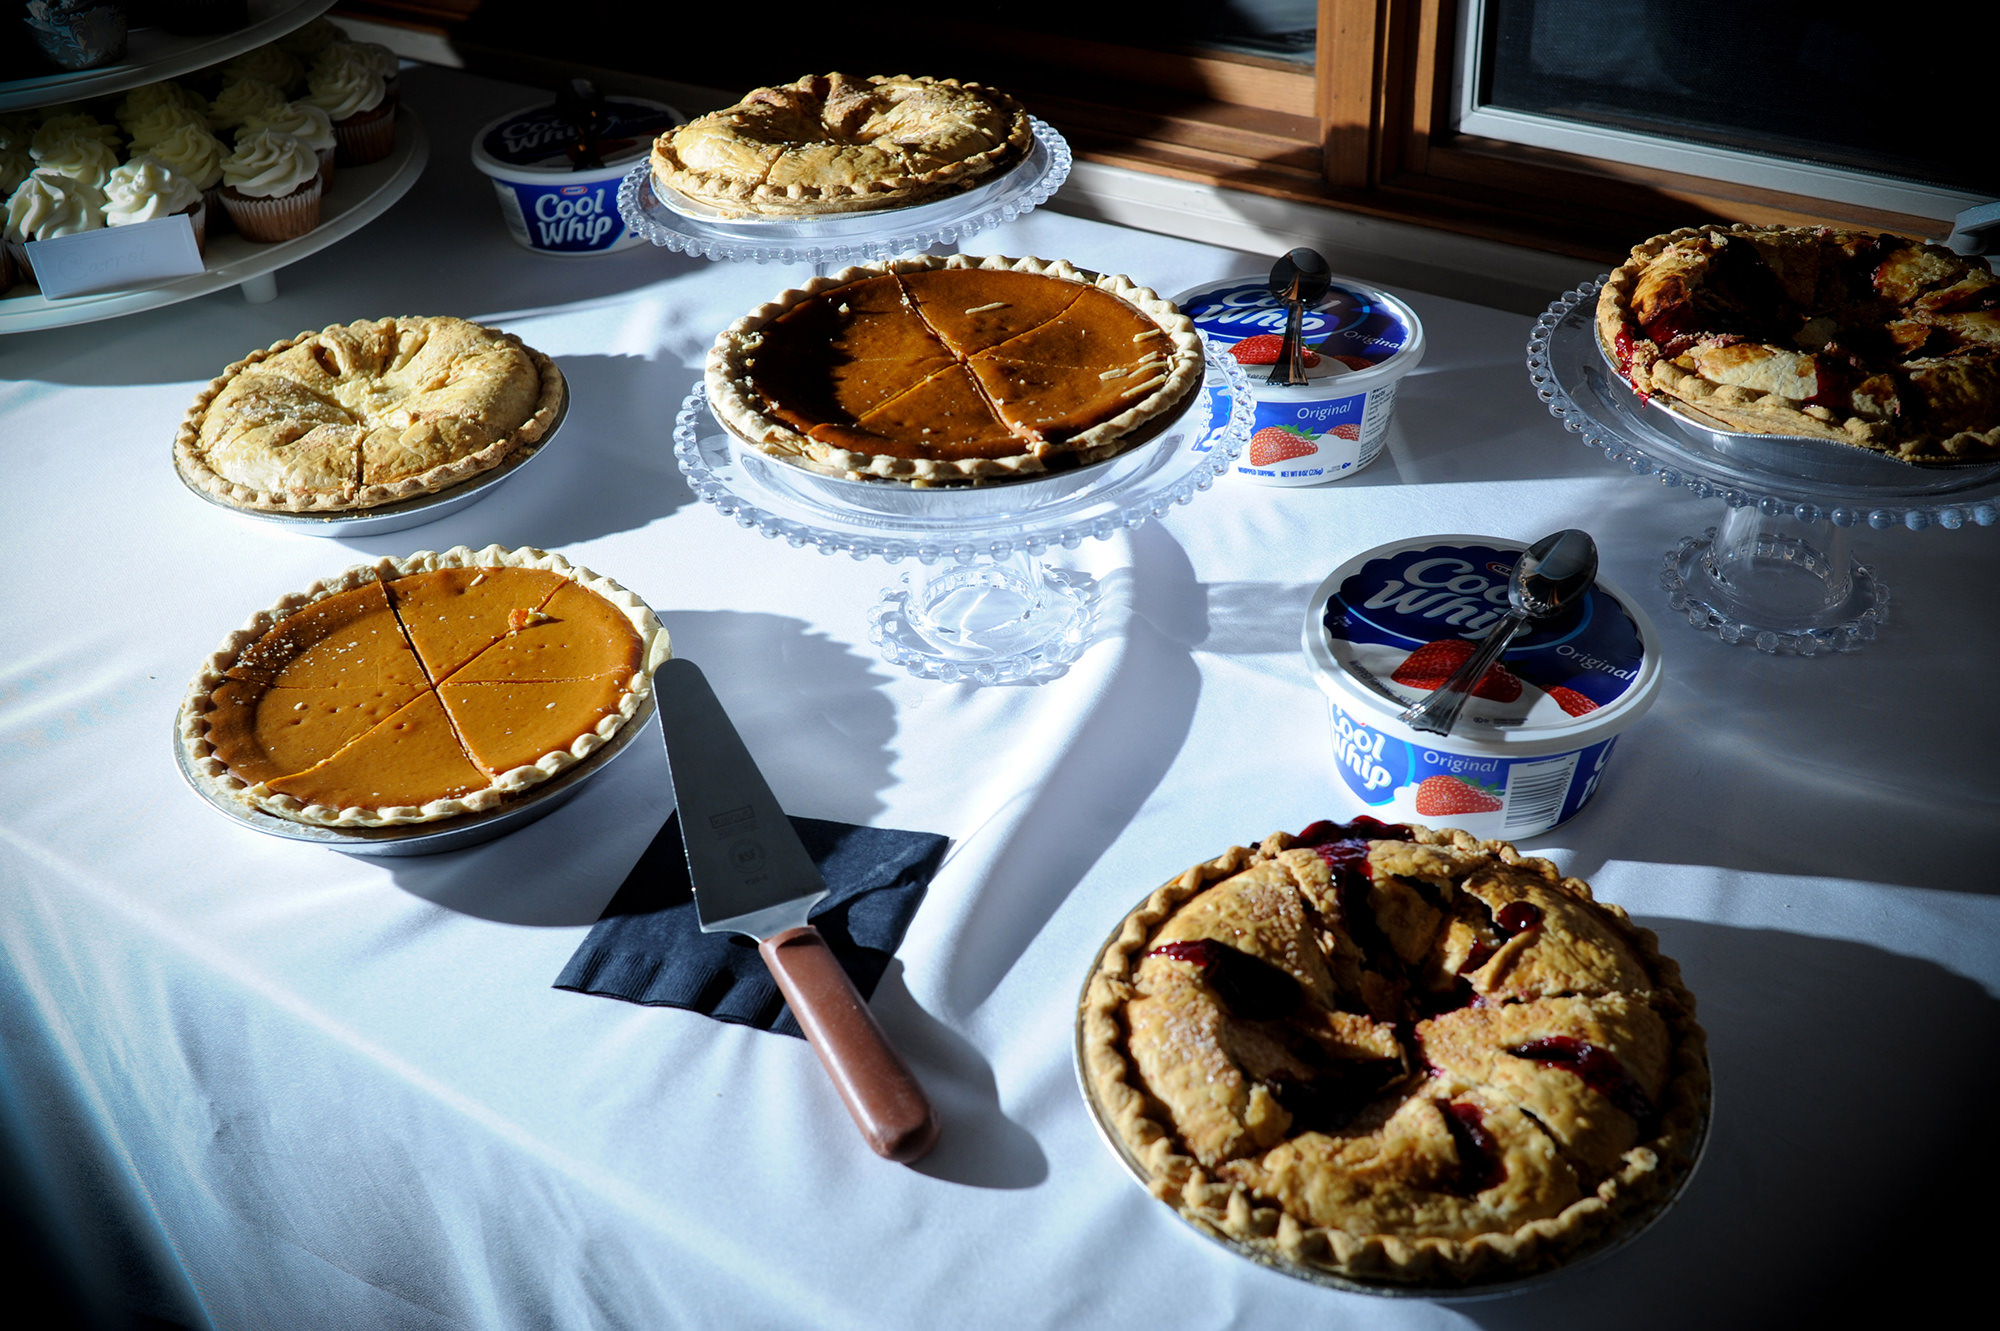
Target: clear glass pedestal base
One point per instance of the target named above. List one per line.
(981, 606)
(1776, 584)
(1777, 574)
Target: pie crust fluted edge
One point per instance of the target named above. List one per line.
(1625, 1202)
(727, 367)
(654, 648)
(195, 471)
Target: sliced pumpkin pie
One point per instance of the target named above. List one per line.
(416, 689)
(955, 370)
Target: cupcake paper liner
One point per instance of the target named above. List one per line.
(367, 137)
(286, 217)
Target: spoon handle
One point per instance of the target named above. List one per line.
(1290, 369)
(1437, 712)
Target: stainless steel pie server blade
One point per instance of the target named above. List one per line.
(751, 876)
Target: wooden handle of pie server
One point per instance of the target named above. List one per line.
(877, 1086)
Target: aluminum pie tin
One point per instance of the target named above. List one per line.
(404, 513)
(428, 838)
(1629, 1227)
(1800, 456)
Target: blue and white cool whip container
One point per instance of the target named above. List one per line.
(548, 206)
(1534, 740)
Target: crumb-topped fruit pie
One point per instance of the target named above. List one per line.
(1396, 1054)
(960, 369)
(832, 143)
(1875, 340)
(368, 413)
(411, 690)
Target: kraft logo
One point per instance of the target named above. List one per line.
(573, 190)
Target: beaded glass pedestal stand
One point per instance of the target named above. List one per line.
(833, 242)
(982, 607)
(1777, 573)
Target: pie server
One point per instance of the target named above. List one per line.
(751, 876)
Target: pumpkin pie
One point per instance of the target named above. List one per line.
(941, 370)
(416, 689)
(1856, 337)
(363, 414)
(833, 143)
(1397, 1055)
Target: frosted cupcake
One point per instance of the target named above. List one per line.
(268, 64)
(143, 101)
(240, 99)
(144, 190)
(150, 127)
(305, 122)
(45, 206)
(192, 151)
(270, 187)
(78, 156)
(60, 125)
(357, 102)
(307, 42)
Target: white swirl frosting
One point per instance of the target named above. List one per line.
(302, 120)
(15, 164)
(47, 205)
(193, 152)
(144, 189)
(342, 85)
(267, 64)
(143, 101)
(77, 157)
(240, 98)
(267, 164)
(72, 125)
(313, 38)
(149, 127)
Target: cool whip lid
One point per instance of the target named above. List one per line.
(1395, 621)
(534, 139)
(1354, 328)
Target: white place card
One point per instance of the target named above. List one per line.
(115, 258)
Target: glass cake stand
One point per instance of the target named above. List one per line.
(983, 608)
(833, 242)
(1776, 573)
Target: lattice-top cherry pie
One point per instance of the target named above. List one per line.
(1875, 340)
(1396, 1054)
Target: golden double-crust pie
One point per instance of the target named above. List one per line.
(412, 690)
(1396, 1054)
(833, 143)
(960, 369)
(368, 413)
(1875, 340)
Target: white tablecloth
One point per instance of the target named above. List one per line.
(250, 1083)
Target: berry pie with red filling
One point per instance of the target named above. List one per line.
(1396, 1054)
(1875, 340)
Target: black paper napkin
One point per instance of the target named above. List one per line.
(649, 948)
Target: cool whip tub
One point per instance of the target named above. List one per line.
(548, 206)
(1534, 739)
(1332, 426)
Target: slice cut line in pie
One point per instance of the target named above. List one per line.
(941, 371)
(421, 689)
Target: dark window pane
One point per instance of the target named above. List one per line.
(1882, 89)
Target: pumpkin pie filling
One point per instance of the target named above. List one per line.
(421, 696)
(954, 369)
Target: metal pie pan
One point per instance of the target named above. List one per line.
(1627, 1229)
(428, 838)
(402, 514)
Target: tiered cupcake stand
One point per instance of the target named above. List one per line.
(1776, 574)
(982, 607)
(360, 194)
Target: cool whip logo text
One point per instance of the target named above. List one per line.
(1361, 750)
(1249, 310)
(1452, 591)
(564, 218)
